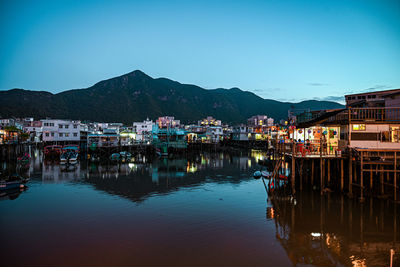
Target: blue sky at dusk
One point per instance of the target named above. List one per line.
(285, 50)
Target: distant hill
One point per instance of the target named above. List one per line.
(136, 96)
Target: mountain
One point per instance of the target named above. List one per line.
(136, 96)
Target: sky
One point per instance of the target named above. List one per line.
(284, 50)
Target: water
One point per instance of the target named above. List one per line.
(205, 210)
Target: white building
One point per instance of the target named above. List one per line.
(214, 134)
(167, 122)
(143, 130)
(143, 127)
(60, 130)
(240, 133)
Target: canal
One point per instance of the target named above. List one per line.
(202, 210)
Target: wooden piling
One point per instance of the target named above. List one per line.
(395, 176)
(350, 173)
(362, 177)
(293, 169)
(329, 172)
(341, 175)
(312, 172)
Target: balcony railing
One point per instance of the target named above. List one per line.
(366, 115)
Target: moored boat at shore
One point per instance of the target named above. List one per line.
(12, 182)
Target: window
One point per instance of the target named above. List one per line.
(60, 126)
(51, 124)
(75, 126)
(52, 134)
(60, 135)
(66, 126)
(66, 134)
(358, 127)
(75, 134)
(47, 134)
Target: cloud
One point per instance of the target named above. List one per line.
(318, 84)
(377, 87)
(374, 88)
(339, 99)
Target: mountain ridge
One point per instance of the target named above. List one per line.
(134, 96)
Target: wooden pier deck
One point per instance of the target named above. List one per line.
(357, 171)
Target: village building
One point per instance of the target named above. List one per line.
(167, 122)
(209, 121)
(55, 130)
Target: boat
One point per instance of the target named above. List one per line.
(52, 152)
(115, 157)
(12, 182)
(71, 147)
(73, 157)
(69, 157)
(64, 158)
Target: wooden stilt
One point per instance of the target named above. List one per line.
(395, 176)
(301, 174)
(312, 172)
(329, 172)
(341, 175)
(350, 173)
(293, 169)
(362, 177)
(381, 181)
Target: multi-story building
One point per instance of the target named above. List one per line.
(209, 121)
(61, 130)
(260, 120)
(240, 133)
(387, 98)
(168, 122)
(143, 127)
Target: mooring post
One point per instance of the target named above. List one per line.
(293, 168)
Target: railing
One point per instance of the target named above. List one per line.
(367, 115)
(306, 149)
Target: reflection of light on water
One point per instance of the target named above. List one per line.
(270, 213)
(191, 168)
(132, 166)
(316, 235)
(258, 155)
(358, 262)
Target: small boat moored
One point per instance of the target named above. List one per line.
(12, 182)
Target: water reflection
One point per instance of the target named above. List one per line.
(332, 230)
(141, 177)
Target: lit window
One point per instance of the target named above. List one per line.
(358, 127)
